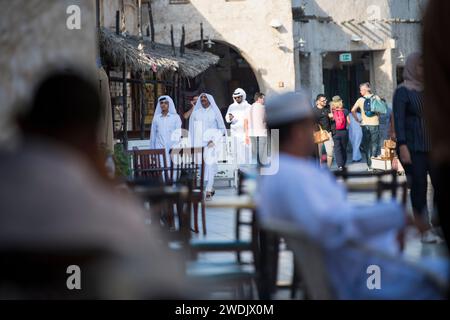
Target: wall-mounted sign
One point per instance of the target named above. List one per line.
(345, 57)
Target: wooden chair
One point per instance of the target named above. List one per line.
(149, 167)
(308, 255)
(237, 245)
(382, 182)
(240, 274)
(150, 164)
(188, 167)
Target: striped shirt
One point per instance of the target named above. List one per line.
(410, 126)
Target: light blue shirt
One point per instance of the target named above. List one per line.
(165, 131)
(303, 194)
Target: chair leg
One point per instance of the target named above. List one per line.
(170, 216)
(204, 217)
(294, 285)
(196, 217)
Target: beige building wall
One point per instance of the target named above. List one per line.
(244, 25)
(34, 41)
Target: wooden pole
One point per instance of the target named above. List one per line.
(140, 19)
(142, 96)
(172, 41)
(97, 13)
(183, 36)
(125, 106)
(117, 22)
(202, 45)
(152, 25)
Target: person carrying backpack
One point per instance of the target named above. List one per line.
(370, 106)
(339, 129)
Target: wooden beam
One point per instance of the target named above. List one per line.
(172, 41)
(152, 24)
(125, 106)
(117, 22)
(183, 36)
(202, 44)
(142, 96)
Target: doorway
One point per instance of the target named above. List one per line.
(344, 78)
(232, 72)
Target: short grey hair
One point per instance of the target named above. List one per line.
(366, 84)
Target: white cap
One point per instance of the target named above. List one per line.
(288, 107)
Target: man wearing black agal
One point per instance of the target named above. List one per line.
(322, 113)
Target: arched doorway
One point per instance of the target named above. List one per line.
(232, 72)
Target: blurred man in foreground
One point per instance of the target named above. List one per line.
(351, 236)
(53, 198)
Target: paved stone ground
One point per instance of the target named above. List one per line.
(220, 224)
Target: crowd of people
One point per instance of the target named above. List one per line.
(55, 191)
(360, 126)
(207, 129)
(362, 129)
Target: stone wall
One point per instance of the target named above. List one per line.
(245, 26)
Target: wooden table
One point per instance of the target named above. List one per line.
(233, 202)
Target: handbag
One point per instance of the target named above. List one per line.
(321, 136)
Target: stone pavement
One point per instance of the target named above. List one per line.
(221, 224)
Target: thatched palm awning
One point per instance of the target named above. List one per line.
(145, 56)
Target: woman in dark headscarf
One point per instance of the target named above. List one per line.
(414, 144)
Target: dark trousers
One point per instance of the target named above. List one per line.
(340, 147)
(417, 175)
(442, 185)
(371, 142)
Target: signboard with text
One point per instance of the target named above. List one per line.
(345, 57)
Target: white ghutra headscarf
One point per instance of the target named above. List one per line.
(240, 93)
(198, 107)
(172, 109)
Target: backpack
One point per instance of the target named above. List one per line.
(374, 105)
(340, 120)
(368, 107)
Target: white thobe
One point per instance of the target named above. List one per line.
(303, 194)
(165, 132)
(241, 114)
(207, 128)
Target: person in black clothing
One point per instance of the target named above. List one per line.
(413, 140)
(436, 64)
(323, 116)
(339, 129)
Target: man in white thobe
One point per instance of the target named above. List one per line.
(258, 130)
(207, 128)
(238, 116)
(352, 237)
(166, 126)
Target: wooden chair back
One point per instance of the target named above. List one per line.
(308, 256)
(187, 166)
(150, 164)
